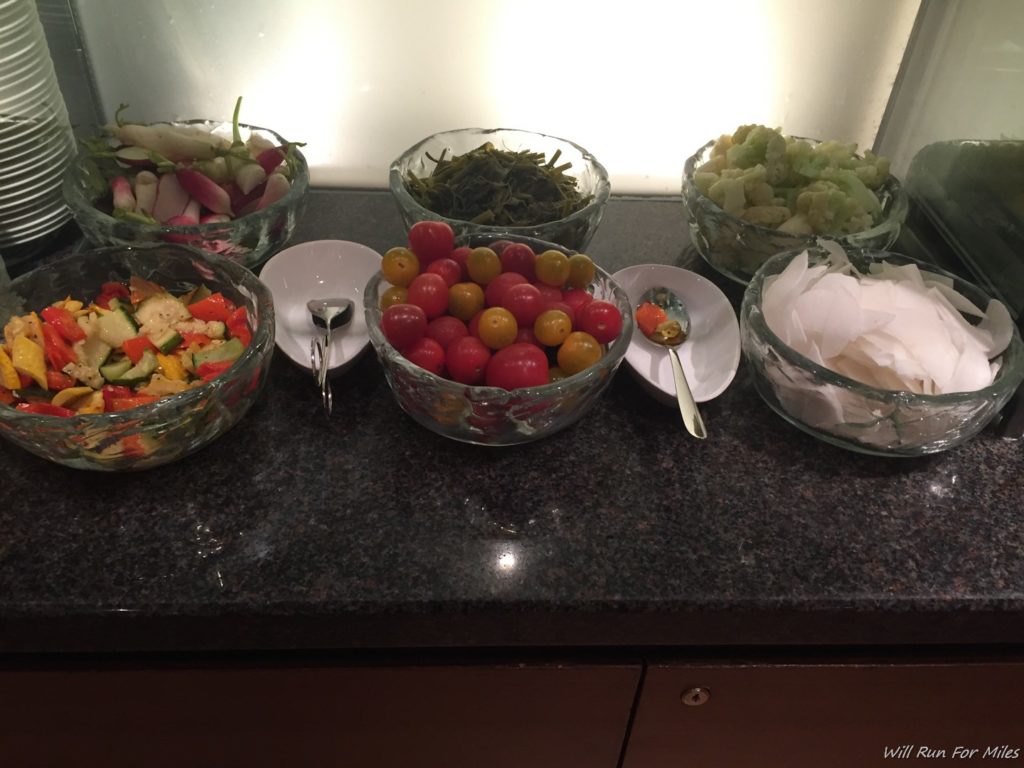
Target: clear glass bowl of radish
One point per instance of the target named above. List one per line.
(228, 188)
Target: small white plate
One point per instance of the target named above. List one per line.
(711, 354)
(319, 269)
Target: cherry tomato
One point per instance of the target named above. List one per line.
(524, 302)
(526, 335)
(549, 292)
(561, 306)
(578, 352)
(466, 360)
(474, 324)
(518, 257)
(429, 292)
(577, 298)
(427, 354)
(431, 240)
(498, 286)
(556, 373)
(581, 271)
(446, 329)
(465, 300)
(461, 256)
(396, 294)
(497, 327)
(601, 319)
(399, 266)
(449, 269)
(483, 265)
(552, 268)
(552, 327)
(402, 324)
(498, 246)
(518, 365)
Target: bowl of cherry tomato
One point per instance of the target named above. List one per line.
(491, 339)
(126, 358)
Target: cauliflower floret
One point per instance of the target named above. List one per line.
(213, 328)
(729, 195)
(770, 216)
(87, 374)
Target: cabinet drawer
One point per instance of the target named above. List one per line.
(843, 716)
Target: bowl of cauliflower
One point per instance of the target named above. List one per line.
(755, 193)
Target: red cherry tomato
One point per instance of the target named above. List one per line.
(461, 256)
(499, 245)
(446, 329)
(466, 360)
(427, 354)
(526, 335)
(447, 268)
(577, 298)
(549, 292)
(518, 257)
(517, 365)
(524, 302)
(403, 324)
(601, 319)
(495, 290)
(431, 240)
(429, 291)
(474, 324)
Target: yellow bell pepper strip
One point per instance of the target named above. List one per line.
(8, 375)
(172, 367)
(67, 398)
(28, 358)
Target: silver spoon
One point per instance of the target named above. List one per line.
(327, 314)
(671, 334)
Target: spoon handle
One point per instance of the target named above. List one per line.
(687, 405)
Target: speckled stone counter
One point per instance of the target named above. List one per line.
(368, 531)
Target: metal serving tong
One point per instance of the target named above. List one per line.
(327, 314)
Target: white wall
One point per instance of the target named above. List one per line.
(640, 83)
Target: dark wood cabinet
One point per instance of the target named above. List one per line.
(542, 716)
(840, 716)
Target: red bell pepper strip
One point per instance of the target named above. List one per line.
(56, 380)
(210, 371)
(26, 380)
(57, 350)
(238, 326)
(64, 322)
(126, 403)
(45, 409)
(110, 291)
(213, 307)
(200, 339)
(134, 348)
(112, 392)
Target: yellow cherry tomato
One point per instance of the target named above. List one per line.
(396, 294)
(578, 352)
(465, 300)
(498, 327)
(399, 266)
(483, 265)
(581, 271)
(552, 268)
(552, 327)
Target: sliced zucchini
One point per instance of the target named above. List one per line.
(113, 371)
(161, 311)
(116, 327)
(166, 341)
(140, 372)
(230, 350)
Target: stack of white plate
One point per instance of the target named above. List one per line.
(36, 143)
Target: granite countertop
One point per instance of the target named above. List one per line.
(368, 531)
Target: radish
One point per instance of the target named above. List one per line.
(173, 142)
(124, 199)
(249, 176)
(215, 218)
(270, 159)
(182, 220)
(171, 198)
(145, 191)
(216, 169)
(133, 156)
(192, 210)
(206, 191)
(277, 186)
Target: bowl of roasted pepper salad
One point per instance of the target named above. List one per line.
(125, 358)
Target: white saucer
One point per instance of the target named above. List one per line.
(319, 269)
(710, 356)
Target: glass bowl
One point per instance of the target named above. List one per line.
(490, 415)
(573, 231)
(173, 426)
(249, 240)
(737, 249)
(852, 415)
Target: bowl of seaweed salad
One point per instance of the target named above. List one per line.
(502, 180)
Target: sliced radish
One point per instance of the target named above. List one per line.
(192, 210)
(250, 176)
(205, 190)
(134, 157)
(270, 159)
(277, 187)
(171, 198)
(145, 191)
(124, 199)
(214, 218)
